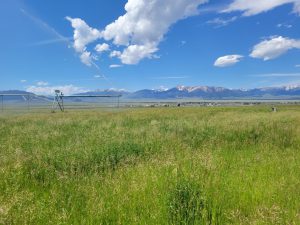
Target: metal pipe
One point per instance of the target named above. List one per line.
(28, 103)
(2, 105)
(91, 96)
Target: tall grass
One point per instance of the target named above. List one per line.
(151, 166)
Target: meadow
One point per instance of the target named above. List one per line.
(218, 165)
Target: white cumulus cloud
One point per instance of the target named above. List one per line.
(139, 31)
(254, 7)
(49, 90)
(115, 54)
(135, 53)
(274, 47)
(228, 60)
(86, 58)
(144, 25)
(83, 34)
(102, 47)
(146, 21)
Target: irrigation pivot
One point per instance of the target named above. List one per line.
(58, 101)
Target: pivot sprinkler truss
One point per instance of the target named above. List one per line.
(58, 101)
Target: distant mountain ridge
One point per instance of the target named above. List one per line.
(200, 92)
(215, 93)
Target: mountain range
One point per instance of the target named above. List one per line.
(206, 92)
(199, 92)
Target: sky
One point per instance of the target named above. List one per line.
(78, 46)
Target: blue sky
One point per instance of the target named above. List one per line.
(148, 44)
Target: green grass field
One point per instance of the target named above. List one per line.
(151, 166)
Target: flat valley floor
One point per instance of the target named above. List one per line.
(218, 165)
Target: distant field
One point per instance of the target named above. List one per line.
(222, 165)
(33, 106)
